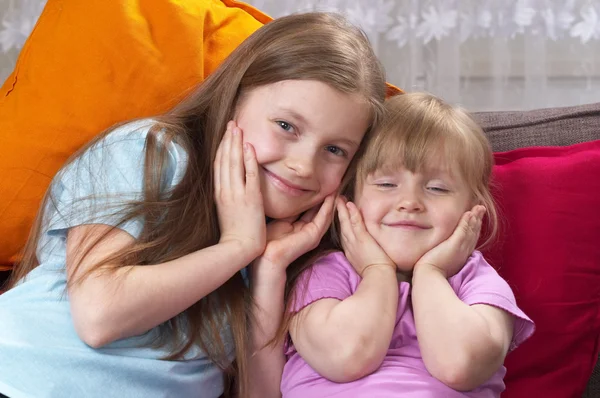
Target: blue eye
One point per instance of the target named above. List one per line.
(284, 125)
(335, 150)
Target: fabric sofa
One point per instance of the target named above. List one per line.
(546, 174)
(536, 152)
(547, 162)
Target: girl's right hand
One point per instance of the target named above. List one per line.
(237, 194)
(359, 246)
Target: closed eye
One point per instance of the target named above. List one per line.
(386, 185)
(438, 189)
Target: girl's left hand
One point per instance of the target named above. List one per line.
(289, 238)
(451, 255)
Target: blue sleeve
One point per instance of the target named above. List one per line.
(97, 187)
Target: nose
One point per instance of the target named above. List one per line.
(409, 200)
(302, 162)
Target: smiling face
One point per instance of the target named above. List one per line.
(409, 213)
(305, 134)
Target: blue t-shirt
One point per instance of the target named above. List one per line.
(41, 355)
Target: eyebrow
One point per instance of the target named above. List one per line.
(292, 113)
(349, 142)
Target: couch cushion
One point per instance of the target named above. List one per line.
(548, 248)
(541, 127)
(89, 64)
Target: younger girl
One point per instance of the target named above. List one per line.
(130, 284)
(408, 309)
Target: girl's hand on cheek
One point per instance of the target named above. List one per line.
(360, 247)
(450, 256)
(237, 194)
(288, 239)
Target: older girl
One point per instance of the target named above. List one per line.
(130, 284)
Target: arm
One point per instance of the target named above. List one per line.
(462, 345)
(119, 301)
(133, 299)
(286, 241)
(266, 361)
(348, 339)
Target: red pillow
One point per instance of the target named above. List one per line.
(549, 252)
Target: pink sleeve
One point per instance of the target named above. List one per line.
(479, 283)
(329, 277)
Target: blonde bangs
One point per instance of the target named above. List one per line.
(421, 131)
(417, 132)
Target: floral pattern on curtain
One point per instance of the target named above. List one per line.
(484, 54)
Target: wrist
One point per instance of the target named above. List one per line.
(428, 269)
(243, 253)
(264, 270)
(246, 250)
(378, 267)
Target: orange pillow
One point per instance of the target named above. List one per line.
(89, 64)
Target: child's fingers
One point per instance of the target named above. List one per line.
(322, 219)
(467, 231)
(237, 160)
(217, 173)
(251, 166)
(309, 215)
(355, 224)
(355, 217)
(475, 224)
(344, 217)
(462, 229)
(476, 219)
(225, 160)
(474, 232)
(218, 164)
(480, 210)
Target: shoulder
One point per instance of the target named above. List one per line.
(133, 136)
(331, 276)
(478, 279)
(329, 270)
(334, 263)
(475, 266)
(121, 155)
(100, 183)
(479, 283)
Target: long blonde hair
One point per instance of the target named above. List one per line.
(312, 46)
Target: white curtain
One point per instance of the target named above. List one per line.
(484, 54)
(17, 19)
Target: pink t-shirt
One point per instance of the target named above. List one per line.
(402, 373)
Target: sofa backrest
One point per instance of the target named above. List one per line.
(509, 131)
(541, 127)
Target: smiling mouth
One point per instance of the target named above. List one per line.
(284, 185)
(411, 225)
